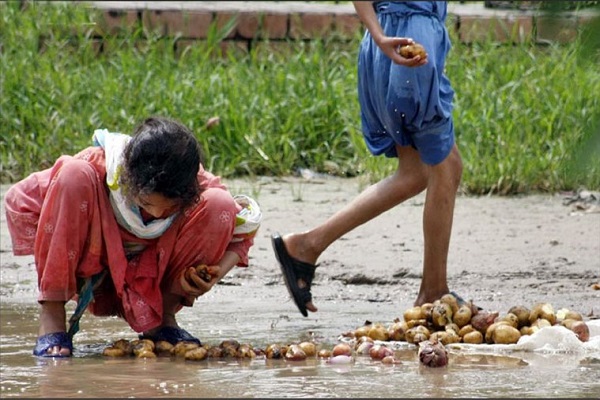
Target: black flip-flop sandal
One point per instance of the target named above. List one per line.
(293, 270)
(462, 301)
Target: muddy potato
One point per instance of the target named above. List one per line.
(452, 327)
(427, 308)
(309, 348)
(416, 334)
(362, 331)
(441, 315)
(542, 311)
(197, 354)
(274, 351)
(449, 299)
(397, 330)
(522, 314)
(125, 345)
(462, 316)
(245, 351)
(146, 353)
(414, 313)
(511, 318)
(181, 348)
(214, 352)
(324, 353)
(416, 322)
(295, 353)
(506, 334)
(162, 347)
(473, 337)
(113, 351)
(379, 332)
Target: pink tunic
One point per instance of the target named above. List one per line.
(62, 215)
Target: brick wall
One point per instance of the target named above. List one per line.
(250, 23)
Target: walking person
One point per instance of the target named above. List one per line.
(406, 113)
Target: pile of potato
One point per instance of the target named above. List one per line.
(448, 322)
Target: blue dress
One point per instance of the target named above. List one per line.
(409, 106)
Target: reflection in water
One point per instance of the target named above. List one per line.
(89, 374)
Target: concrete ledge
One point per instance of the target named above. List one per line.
(290, 20)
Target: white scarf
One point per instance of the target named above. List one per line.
(127, 214)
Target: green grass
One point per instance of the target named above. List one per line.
(526, 116)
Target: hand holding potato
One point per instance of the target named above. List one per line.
(196, 281)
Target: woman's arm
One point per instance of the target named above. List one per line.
(388, 45)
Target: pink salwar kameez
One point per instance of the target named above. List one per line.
(63, 216)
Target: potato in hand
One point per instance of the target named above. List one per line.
(412, 50)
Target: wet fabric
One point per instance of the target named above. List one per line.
(408, 106)
(63, 216)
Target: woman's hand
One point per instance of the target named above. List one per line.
(199, 280)
(391, 45)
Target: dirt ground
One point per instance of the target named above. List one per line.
(504, 250)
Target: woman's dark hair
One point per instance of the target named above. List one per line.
(162, 157)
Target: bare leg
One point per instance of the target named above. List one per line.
(444, 179)
(409, 180)
(53, 319)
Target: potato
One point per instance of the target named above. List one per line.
(465, 330)
(113, 351)
(379, 332)
(489, 333)
(417, 333)
(427, 308)
(362, 331)
(414, 313)
(309, 348)
(397, 330)
(528, 330)
(541, 323)
(543, 311)
(522, 314)
(462, 316)
(473, 337)
(441, 314)
(506, 334)
(565, 313)
(416, 322)
(412, 50)
(511, 318)
(197, 354)
(451, 301)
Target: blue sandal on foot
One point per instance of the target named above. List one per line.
(48, 341)
(172, 335)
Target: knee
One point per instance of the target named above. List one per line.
(75, 175)
(455, 166)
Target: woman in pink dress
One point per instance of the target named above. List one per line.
(122, 225)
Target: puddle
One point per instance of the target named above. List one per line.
(89, 374)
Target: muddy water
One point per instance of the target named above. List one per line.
(89, 374)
